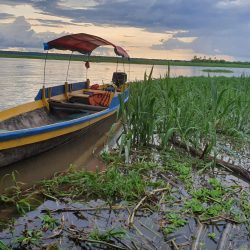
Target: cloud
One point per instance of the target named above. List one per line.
(19, 34)
(218, 29)
(53, 23)
(228, 4)
(220, 26)
(214, 45)
(5, 16)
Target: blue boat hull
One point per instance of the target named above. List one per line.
(18, 144)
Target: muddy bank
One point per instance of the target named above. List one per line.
(162, 200)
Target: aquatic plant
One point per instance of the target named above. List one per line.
(3, 246)
(193, 110)
(49, 222)
(14, 195)
(111, 184)
(174, 221)
(28, 239)
(107, 235)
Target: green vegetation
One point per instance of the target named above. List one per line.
(152, 173)
(14, 196)
(212, 236)
(210, 202)
(217, 71)
(107, 235)
(29, 238)
(111, 185)
(55, 56)
(3, 246)
(142, 184)
(174, 221)
(49, 222)
(195, 111)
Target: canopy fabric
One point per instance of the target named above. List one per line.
(83, 43)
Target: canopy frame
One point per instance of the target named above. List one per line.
(82, 43)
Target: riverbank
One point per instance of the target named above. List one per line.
(161, 199)
(178, 178)
(54, 56)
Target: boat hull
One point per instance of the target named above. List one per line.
(17, 144)
(12, 155)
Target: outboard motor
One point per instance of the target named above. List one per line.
(119, 78)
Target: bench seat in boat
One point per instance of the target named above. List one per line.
(74, 106)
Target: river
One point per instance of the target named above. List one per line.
(20, 79)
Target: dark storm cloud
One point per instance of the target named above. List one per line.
(5, 16)
(149, 14)
(53, 23)
(219, 30)
(221, 26)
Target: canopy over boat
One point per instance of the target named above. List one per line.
(83, 43)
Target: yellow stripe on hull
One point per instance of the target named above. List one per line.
(27, 107)
(23, 108)
(49, 135)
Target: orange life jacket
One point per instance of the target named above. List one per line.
(100, 99)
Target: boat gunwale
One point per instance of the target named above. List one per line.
(10, 135)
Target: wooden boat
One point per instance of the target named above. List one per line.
(59, 113)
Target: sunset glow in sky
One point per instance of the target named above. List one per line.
(166, 29)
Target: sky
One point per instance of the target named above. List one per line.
(164, 29)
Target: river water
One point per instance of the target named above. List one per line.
(20, 79)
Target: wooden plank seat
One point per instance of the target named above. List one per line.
(79, 98)
(68, 106)
(78, 95)
(94, 91)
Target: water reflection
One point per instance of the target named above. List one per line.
(81, 152)
(22, 78)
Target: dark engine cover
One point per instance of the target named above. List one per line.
(119, 78)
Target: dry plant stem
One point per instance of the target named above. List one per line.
(65, 210)
(122, 243)
(99, 242)
(149, 229)
(170, 181)
(84, 239)
(225, 237)
(174, 244)
(131, 217)
(145, 239)
(174, 184)
(134, 245)
(204, 152)
(199, 234)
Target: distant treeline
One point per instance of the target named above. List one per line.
(196, 61)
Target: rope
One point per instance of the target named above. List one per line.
(117, 64)
(68, 67)
(129, 71)
(44, 69)
(87, 68)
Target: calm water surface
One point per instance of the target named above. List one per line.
(20, 79)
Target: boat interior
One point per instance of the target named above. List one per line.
(64, 102)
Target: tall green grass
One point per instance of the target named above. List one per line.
(193, 109)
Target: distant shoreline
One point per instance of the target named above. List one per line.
(54, 56)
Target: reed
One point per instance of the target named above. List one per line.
(195, 110)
